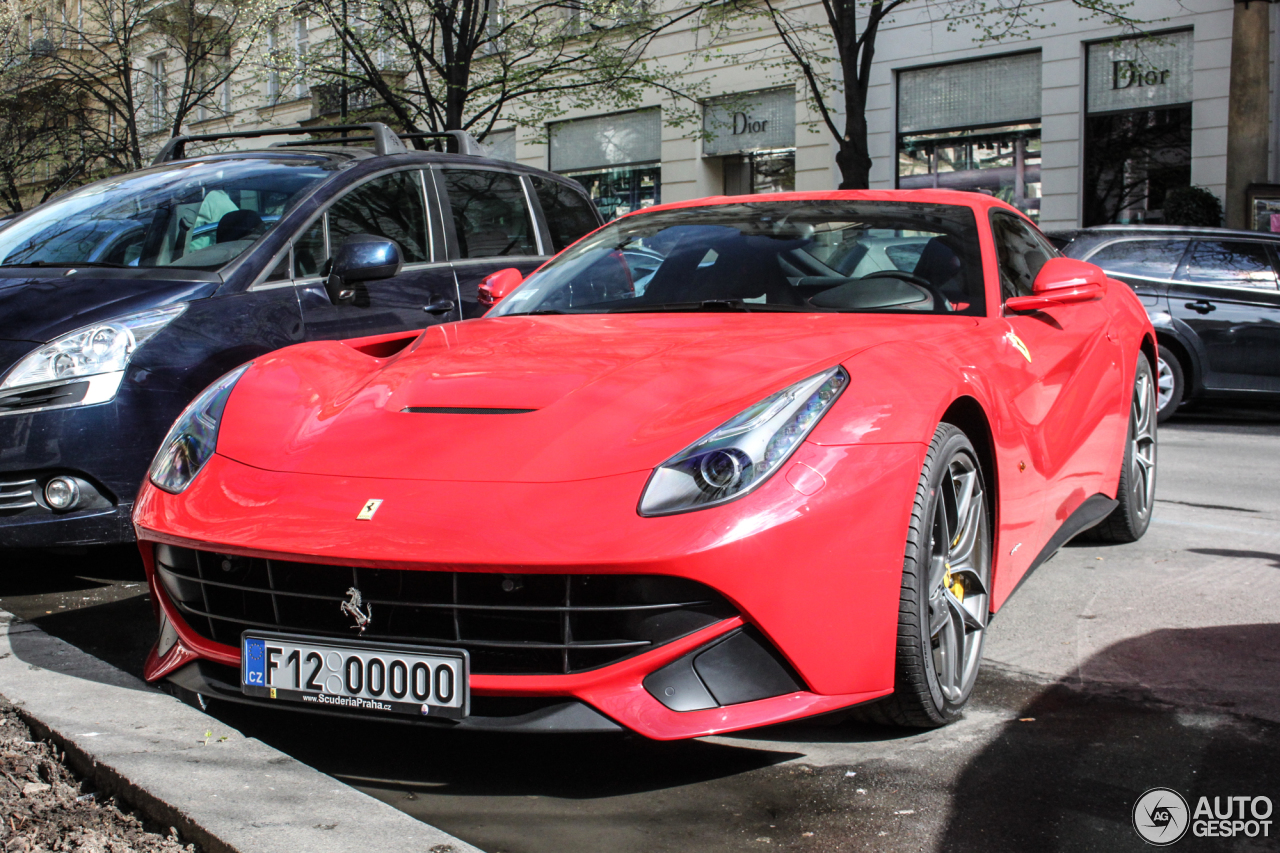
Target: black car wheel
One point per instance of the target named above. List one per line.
(1170, 384)
(946, 578)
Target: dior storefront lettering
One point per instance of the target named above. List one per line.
(743, 123)
(1126, 73)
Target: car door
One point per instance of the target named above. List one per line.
(1063, 373)
(1226, 291)
(392, 205)
(490, 225)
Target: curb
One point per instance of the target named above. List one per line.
(228, 793)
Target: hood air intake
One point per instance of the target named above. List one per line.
(461, 410)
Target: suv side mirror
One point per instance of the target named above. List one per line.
(361, 257)
(1061, 281)
(495, 286)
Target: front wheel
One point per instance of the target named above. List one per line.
(1136, 494)
(946, 582)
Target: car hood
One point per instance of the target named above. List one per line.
(600, 394)
(38, 305)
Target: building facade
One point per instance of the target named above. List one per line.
(1081, 125)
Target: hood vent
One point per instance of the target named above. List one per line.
(461, 410)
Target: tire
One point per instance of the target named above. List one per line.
(932, 686)
(1170, 384)
(1136, 493)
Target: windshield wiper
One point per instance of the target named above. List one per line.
(59, 264)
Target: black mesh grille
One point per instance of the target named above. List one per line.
(510, 623)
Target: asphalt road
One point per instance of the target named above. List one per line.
(1112, 671)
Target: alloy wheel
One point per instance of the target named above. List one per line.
(959, 577)
(1142, 439)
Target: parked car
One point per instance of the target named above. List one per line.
(1212, 296)
(696, 497)
(121, 300)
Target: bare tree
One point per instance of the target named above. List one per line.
(830, 47)
(434, 65)
(145, 68)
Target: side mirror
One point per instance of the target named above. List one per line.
(495, 286)
(361, 257)
(1062, 281)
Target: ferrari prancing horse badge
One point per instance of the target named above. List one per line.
(370, 507)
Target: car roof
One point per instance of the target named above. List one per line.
(959, 198)
(1169, 230)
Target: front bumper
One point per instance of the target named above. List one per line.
(813, 565)
(44, 529)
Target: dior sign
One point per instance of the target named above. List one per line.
(1126, 73)
(753, 121)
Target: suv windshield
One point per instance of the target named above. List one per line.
(195, 215)
(861, 256)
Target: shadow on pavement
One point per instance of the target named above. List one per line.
(1239, 555)
(1064, 774)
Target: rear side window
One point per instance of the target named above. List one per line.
(390, 206)
(490, 215)
(1145, 258)
(570, 215)
(1021, 252)
(1237, 263)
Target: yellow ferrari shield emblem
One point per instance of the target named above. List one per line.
(367, 511)
(1019, 346)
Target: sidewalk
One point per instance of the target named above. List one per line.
(183, 768)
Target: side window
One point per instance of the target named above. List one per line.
(490, 216)
(389, 206)
(1146, 258)
(1021, 252)
(1237, 263)
(309, 252)
(570, 215)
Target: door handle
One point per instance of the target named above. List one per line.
(439, 306)
(1202, 306)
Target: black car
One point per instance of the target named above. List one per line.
(1213, 297)
(120, 301)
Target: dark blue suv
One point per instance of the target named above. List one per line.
(120, 301)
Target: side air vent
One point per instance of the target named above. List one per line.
(461, 410)
(46, 395)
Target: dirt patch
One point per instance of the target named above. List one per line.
(43, 807)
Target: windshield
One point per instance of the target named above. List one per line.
(861, 256)
(196, 215)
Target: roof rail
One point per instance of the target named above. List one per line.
(384, 139)
(465, 142)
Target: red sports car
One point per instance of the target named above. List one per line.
(719, 464)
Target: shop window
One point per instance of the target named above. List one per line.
(622, 190)
(973, 125)
(1000, 161)
(760, 172)
(1137, 132)
(1132, 160)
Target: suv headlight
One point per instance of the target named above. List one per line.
(194, 436)
(730, 461)
(99, 353)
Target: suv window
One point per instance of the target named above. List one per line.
(490, 215)
(390, 206)
(1238, 263)
(1145, 258)
(1021, 252)
(569, 214)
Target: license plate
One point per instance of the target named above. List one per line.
(355, 675)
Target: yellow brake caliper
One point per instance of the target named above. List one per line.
(954, 584)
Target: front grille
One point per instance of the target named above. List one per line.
(509, 623)
(18, 494)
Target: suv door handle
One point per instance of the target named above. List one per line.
(439, 306)
(1202, 306)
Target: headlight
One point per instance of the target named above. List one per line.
(194, 435)
(100, 353)
(732, 460)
